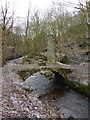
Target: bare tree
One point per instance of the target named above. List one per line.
(7, 22)
(26, 34)
(88, 17)
(86, 11)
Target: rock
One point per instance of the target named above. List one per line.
(82, 64)
(39, 84)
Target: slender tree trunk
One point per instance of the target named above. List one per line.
(0, 46)
(3, 47)
(88, 18)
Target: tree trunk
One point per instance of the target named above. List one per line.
(0, 46)
(3, 48)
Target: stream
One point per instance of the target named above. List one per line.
(62, 99)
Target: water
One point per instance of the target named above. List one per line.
(63, 100)
(68, 103)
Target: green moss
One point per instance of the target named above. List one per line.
(64, 59)
(80, 88)
(49, 74)
(42, 63)
(26, 73)
(65, 71)
(85, 90)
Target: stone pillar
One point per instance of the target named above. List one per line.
(51, 50)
